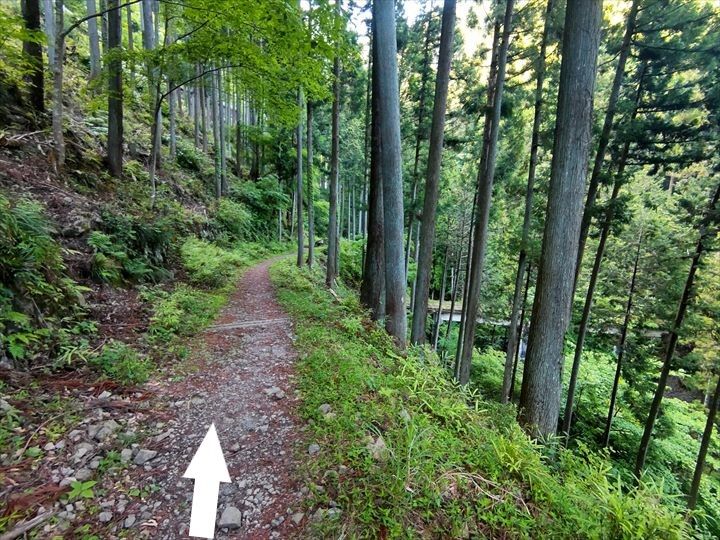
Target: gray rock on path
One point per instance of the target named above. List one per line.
(313, 449)
(105, 517)
(275, 392)
(126, 455)
(231, 518)
(143, 456)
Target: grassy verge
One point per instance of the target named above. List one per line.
(406, 454)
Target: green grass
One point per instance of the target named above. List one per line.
(455, 465)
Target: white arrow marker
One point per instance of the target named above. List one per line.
(208, 469)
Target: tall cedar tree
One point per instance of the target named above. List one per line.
(542, 375)
(115, 89)
(333, 240)
(486, 177)
(372, 288)
(391, 168)
(708, 229)
(432, 179)
(514, 329)
(32, 49)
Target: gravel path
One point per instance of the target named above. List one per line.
(244, 385)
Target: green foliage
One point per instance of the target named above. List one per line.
(454, 464)
(183, 312)
(82, 490)
(208, 264)
(350, 255)
(120, 362)
(37, 299)
(233, 222)
(130, 248)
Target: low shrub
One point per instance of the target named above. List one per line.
(120, 362)
(208, 264)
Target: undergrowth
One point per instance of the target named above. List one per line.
(407, 454)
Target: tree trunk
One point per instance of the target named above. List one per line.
(587, 307)
(172, 100)
(438, 319)
(203, 111)
(432, 179)
(704, 445)
(516, 350)
(513, 330)
(221, 133)
(456, 281)
(299, 185)
(391, 159)
(115, 90)
(196, 109)
(104, 26)
(466, 281)
(94, 40)
(333, 240)
(486, 176)
(372, 288)
(605, 134)
(604, 234)
(707, 231)
(310, 187)
(57, 112)
(50, 15)
(542, 375)
(216, 136)
(424, 76)
(131, 45)
(239, 121)
(33, 51)
(148, 34)
(621, 348)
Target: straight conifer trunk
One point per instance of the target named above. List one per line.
(486, 176)
(514, 330)
(704, 445)
(333, 240)
(372, 288)
(310, 187)
(391, 169)
(605, 134)
(708, 229)
(58, 61)
(438, 319)
(33, 51)
(50, 31)
(621, 348)
(94, 40)
(216, 137)
(432, 179)
(599, 254)
(542, 376)
(299, 186)
(115, 89)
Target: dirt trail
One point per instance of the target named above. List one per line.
(244, 385)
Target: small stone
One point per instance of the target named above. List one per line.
(235, 447)
(126, 455)
(82, 450)
(143, 456)
(405, 415)
(60, 445)
(378, 448)
(106, 430)
(297, 517)
(105, 517)
(275, 392)
(325, 408)
(83, 474)
(49, 447)
(231, 518)
(5, 406)
(129, 521)
(313, 449)
(104, 395)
